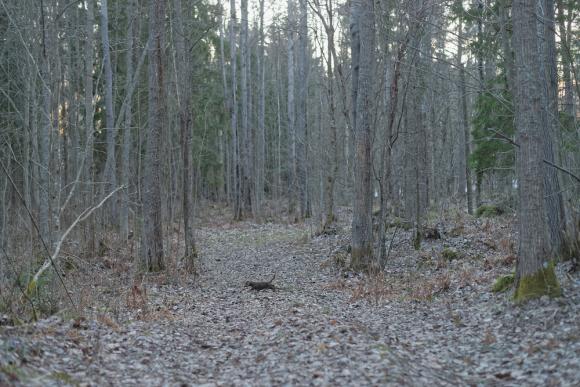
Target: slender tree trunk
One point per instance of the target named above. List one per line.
(261, 137)
(184, 92)
(332, 151)
(292, 173)
(44, 143)
(152, 258)
(464, 120)
(234, 120)
(226, 170)
(127, 135)
(302, 112)
(245, 132)
(534, 275)
(89, 117)
(109, 175)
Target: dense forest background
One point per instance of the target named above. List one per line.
(126, 119)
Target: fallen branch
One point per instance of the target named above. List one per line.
(37, 230)
(50, 261)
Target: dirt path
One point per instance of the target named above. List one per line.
(311, 331)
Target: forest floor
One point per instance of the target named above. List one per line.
(431, 318)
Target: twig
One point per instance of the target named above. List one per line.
(391, 243)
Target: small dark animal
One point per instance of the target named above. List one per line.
(261, 285)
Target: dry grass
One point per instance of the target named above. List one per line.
(375, 288)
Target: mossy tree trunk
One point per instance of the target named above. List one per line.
(534, 273)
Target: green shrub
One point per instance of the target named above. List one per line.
(503, 283)
(449, 254)
(488, 211)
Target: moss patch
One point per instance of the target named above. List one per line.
(503, 283)
(488, 211)
(449, 254)
(542, 283)
(361, 259)
(417, 240)
(64, 378)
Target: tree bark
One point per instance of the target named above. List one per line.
(184, 94)
(302, 112)
(152, 258)
(464, 121)
(292, 173)
(551, 127)
(234, 116)
(246, 183)
(261, 135)
(110, 172)
(127, 135)
(534, 275)
(363, 43)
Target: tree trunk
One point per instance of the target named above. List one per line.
(292, 173)
(568, 105)
(184, 93)
(464, 120)
(127, 135)
(363, 43)
(261, 136)
(302, 112)
(44, 143)
(245, 132)
(332, 151)
(152, 257)
(234, 119)
(551, 127)
(534, 273)
(109, 174)
(89, 121)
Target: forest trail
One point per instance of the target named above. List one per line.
(320, 327)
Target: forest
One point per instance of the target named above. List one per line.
(289, 192)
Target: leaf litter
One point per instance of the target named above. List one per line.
(424, 320)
